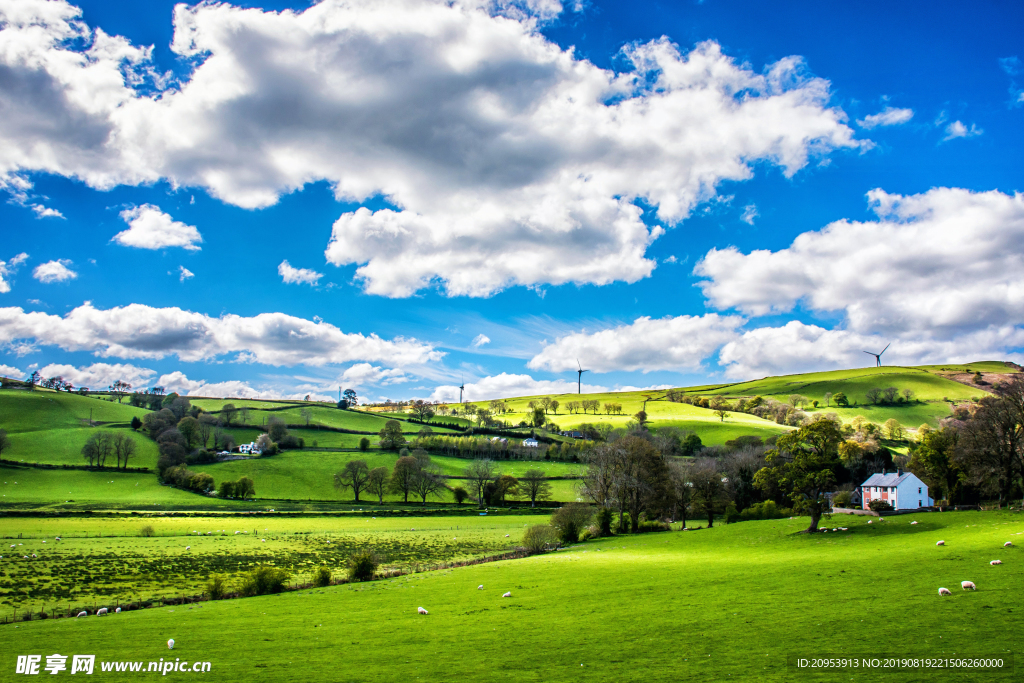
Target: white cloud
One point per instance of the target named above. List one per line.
(46, 212)
(362, 374)
(139, 331)
(54, 271)
(9, 268)
(179, 383)
(670, 343)
(749, 214)
(958, 130)
(797, 347)
(508, 161)
(151, 228)
(297, 275)
(11, 371)
(99, 375)
(509, 386)
(945, 262)
(481, 339)
(184, 273)
(890, 116)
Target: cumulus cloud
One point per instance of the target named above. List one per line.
(481, 339)
(179, 382)
(507, 386)
(749, 214)
(958, 130)
(11, 371)
(184, 273)
(54, 271)
(890, 116)
(297, 275)
(945, 262)
(670, 343)
(506, 160)
(9, 268)
(46, 212)
(1013, 68)
(98, 375)
(798, 347)
(151, 228)
(139, 331)
(363, 374)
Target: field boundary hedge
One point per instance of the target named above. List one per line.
(87, 468)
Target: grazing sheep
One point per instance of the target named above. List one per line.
(480, 587)
(1007, 545)
(188, 547)
(34, 555)
(507, 595)
(944, 591)
(870, 520)
(940, 543)
(912, 523)
(968, 585)
(506, 535)
(170, 644)
(101, 611)
(422, 611)
(82, 614)
(117, 611)
(995, 562)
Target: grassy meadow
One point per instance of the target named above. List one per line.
(728, 603)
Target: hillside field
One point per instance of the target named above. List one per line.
(730, 603)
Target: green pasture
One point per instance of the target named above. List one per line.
(100, 561)
(728, 603)
(26, 411)
(64, 447)
(86, 489)
(978, 366)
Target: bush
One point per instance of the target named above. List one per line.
(604, 521)
(842, 499)
(647, 525)
(364, 444)
(539, 538)
(879, 505)
(290, 441)
(216, 587)
(570, 520)
(263, 580)
(321, 577)
(363, 565)
(147, 531)
(460, 494)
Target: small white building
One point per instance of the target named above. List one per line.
(902, 490)
(531, 443)
(250, 449)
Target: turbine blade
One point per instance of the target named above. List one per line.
(886, 346)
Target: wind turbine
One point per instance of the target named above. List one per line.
(462, 388)
(579, 377)
(878, 356)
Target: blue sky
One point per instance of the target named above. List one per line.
(278, 199)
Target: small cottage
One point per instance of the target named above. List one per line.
(902, 490)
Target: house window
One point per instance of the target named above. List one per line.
(919, 489)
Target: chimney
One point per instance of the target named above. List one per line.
(899, 472)
(883, 471)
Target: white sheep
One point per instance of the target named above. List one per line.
(1007, 545)
(940, 543)
(944, 591)
(188, 547)
(101, 611)
(507, 595)
(506, 535)
(480, 587)
(82, 614)
(869, 521)
(170, 644)
(968, 585)
(117, 611)
(995, 562)
(422, 611)
(912, 523)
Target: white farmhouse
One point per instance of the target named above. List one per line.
(902, 490)
(531, 443)
(250, 449)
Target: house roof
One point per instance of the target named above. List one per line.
(891, 479)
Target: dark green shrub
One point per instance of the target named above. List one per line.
(321, 577)
(147, 531)
(216, 587)
(364, 444)
(263, 580)
(879, 505)
(460, 494)
(604, 521)
(571, 520)
(539, 538)
(362, 565)
(647, 525)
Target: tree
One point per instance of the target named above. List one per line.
(119, 389)
(33, 380)
(403, 476)
(680, 478)
(554, 406)
(245, 488)
(307, 415)
(228, 413)
(207, 424)
(479, 473)
(893, 429)
(377, 483)
(569, 521)
(422, 410)
(707, 488)
(721, 413)
(505, 486)
(889, 394)
(841, 400)
(354, 475)
(539, 417)
(276, 428)
(460, 494)
(226, 489)
(189, 428)
(364, 444)
(349, 398)
(391, 437)
(136, 423)
(427, 481)
(124, 449)
(263, 444)
(828, 397)
(97, 448)
(874, 394)
(243, 414)
(934, 462)
(534, 486)
(5, 442)
(803, 465)
(641, 418)
(908, 395)
(991, 445)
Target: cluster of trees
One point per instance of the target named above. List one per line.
(413, 474)
(889, 396)
(182, 477)
(243, 488)
(101, 446)
(183, 432)
(497, 449)
(585, 406)
(979, 451)
(492, 488)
